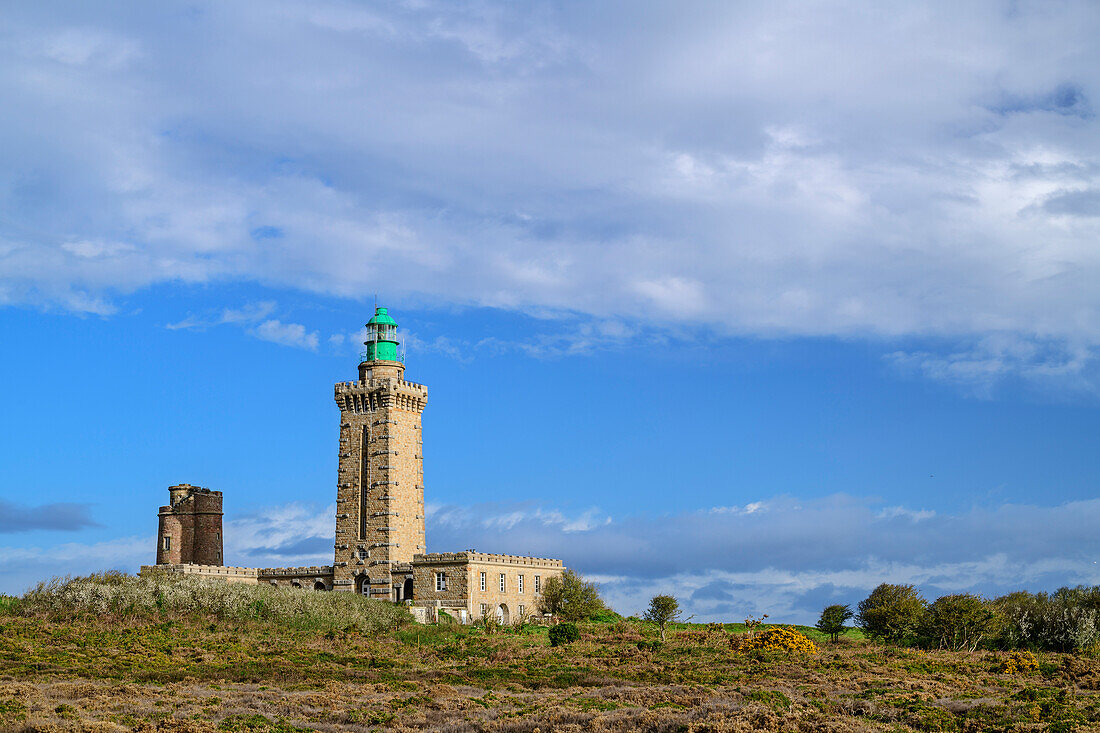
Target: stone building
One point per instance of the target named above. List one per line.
(379, 547)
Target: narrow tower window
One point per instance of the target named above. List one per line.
(538, 584)
(364, 479)
(167, 543)
(483, 582)
(502, 582)
(519, 584)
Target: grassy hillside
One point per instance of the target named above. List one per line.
(179, 665)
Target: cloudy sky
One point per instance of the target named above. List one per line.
(760, 304)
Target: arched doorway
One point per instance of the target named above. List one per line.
(502, 613)
(407, 590)
(362, 585)
(319, 586)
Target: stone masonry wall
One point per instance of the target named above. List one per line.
(468, 567)
(534, 570)
(380, 493)
(455, 566)
(192, 524)
(307, 578)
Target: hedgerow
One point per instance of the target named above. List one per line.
(164, 596)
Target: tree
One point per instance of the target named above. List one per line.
(891, 612)
(570, 597)
(832, 620)
(662, 611)
(958, 622)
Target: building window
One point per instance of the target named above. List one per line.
(217, 556)
(483, 582)
(538, 584)
(364, 554)
(502, 587)
(218, 536)
(167, 543)
(519, 584)
(484, 609)
(521, 610)
(440, 581)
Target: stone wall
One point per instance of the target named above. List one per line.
(466, 590)
(211, 572)
(310, 578)
(318, 577)
(454, 566)
(519, 597)
(380, 479)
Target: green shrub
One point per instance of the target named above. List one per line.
(891, 612)
(650, 645)
(832, 620)
(1067, 620)
(167, 596)
(564, 634)
(958, 622)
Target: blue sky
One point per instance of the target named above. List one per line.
(758, 306)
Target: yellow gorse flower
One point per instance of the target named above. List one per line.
(1019, 663)
(777, 639)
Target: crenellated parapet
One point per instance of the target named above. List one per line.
(190, 529)
(371, 395)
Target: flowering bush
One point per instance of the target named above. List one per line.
(778, 639)
(1019, 663)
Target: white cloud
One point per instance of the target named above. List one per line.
(246, 314)
(981, 367)
(23, 567)
(254, 318)
(892, 512)
(790, 557)
(788, 561)
(286, 334)
(750, 508)
(760, 170)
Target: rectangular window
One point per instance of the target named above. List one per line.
(218, 536)
(483, 582)
(519, 584)
(440, 581)
(521, 610)
(502, 582)
(218, 556)
(484, 609)
(168, 543)
(538, 584)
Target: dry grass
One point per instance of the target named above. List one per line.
(193, 674)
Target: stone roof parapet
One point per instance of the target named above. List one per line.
(311, 570)
(475, 556)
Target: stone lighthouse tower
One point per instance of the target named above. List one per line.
(380, 483)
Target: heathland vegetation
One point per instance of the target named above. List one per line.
(113, 652)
